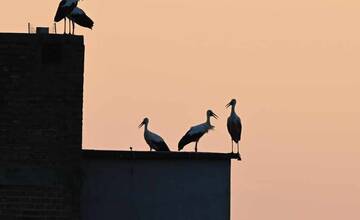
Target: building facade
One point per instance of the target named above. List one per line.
(155, 185)
(41, 91)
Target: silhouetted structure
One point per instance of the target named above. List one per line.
(44, 174)
(156, 185)
(153, 140)
(41, 87)
(196, 132)
(234, 125)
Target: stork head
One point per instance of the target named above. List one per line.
(144, 122)
(210, 113)
(231, 103)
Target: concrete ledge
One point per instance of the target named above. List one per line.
(127, 155)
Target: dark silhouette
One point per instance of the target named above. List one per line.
(153, 140)
(234, 125)
(196, 132)
(79, 17)
(64, 9)
(44, 175)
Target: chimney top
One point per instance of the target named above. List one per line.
(42, 30)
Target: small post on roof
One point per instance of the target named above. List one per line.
(55, 28)
(29, 27)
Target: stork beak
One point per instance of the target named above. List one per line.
(215, 115)
(140, 125)
(228, 105)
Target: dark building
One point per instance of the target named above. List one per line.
(41, 82)
(156, 186)
(44, 173)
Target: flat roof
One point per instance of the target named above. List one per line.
(11, 37)
(154, 155)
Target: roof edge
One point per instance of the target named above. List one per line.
(27, 36)
(153, 155)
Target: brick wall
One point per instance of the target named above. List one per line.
(35, 202)
(41, 87)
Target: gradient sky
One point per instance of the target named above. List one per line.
(293, 66)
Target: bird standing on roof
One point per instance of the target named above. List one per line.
(196, 132)
(79, 17)
(234, 125)
(153, 140)
(64, 9)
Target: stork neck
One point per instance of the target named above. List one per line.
(146, 127)
(232, 109)
(208, 120)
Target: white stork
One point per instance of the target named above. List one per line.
(196, 132)
(64, 9)
(153, 140)
(234, 125)
(79, 17)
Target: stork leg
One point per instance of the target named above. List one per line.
(237, 147)
(232, 146)
(69, 26)
(64, 25)
(73, 24)
(196, 146)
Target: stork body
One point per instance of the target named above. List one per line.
(79, 17)
(196, 132)
(64, 9)
(234, 126)
(153, 140)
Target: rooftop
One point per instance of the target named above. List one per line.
(153, 155)
(5, 37)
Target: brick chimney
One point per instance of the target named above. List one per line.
(41, 96)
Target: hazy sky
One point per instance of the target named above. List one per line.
(293, 66)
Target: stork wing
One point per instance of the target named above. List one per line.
(64, 9)
(193, 134)
(162, 146)
(60, 12)
(158, 142)
(234, 128)
(82, 20)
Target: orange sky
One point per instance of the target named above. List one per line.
(292, 65)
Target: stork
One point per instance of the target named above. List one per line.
(196, 132)
(234, 126)
(153, 140)
(64, 9)
(79, 17)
